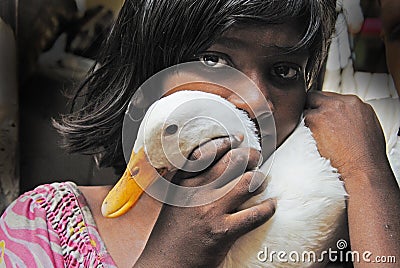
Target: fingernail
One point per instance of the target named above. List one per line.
(274, 200)
(238, 137)
(260, 161)
(256, 181)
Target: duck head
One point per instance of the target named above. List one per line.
(172, 128)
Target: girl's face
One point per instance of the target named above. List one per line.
(262, 53)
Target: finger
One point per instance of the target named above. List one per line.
(248, 219)
(222, 145)
(232, 165)
(315, 99)
(208, 153)
(229, 167)
(310, 116)
(331, 94)
(242, 189)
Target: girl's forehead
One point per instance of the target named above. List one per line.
(285, 35)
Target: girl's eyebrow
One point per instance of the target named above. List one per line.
(231, 42)
(288, 50)
(237, 43)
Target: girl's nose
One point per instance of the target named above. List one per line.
(253, 102)
(252, 97)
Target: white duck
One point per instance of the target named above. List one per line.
(310, 196)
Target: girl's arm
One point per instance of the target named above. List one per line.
(349, 134)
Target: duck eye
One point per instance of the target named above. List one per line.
(171, 129)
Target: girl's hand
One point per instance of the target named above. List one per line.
(201, 236)
(347, 132)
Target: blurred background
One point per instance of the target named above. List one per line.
(55, 41)
(46, 48)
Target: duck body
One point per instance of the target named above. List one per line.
(310, 213)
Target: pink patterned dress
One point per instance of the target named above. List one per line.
(51, 226)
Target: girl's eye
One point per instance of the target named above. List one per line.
(213, 61)
(285, 72)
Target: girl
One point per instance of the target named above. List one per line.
(280, 45)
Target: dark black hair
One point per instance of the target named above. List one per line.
(150, 35)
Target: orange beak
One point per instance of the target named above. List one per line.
(138, 175)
